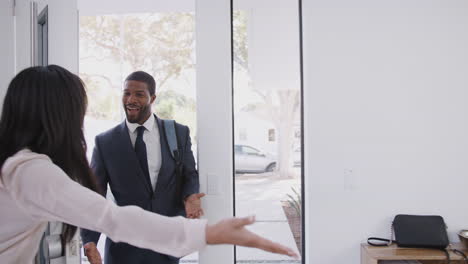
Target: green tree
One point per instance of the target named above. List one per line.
(161, 44)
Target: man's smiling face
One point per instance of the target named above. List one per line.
(137, 101)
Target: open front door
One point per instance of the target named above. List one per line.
(46, 32)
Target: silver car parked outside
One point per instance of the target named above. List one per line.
(250, 159)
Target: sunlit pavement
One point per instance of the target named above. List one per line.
(261, 195)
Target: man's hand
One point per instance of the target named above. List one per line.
(193, 205)
(92, 253)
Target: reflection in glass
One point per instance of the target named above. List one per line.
(267, 123)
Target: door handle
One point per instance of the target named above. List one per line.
(52, 247)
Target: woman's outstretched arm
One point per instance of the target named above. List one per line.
(46, 193)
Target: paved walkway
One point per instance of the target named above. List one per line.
(261, 195)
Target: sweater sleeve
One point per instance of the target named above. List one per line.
(46, 193)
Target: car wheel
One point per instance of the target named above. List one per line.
(271, 167)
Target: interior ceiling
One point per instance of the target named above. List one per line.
(103, 7)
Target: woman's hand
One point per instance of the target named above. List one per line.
(233, 231)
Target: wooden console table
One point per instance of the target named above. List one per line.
(372, 255)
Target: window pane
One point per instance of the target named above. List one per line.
(267, 123)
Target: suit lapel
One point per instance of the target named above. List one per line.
(128, 151)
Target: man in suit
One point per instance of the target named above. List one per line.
(135, 160)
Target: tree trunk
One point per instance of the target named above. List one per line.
(289, 104)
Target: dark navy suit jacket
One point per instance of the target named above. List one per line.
(114, 162)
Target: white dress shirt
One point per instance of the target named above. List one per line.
(153, 145)
(33, 190)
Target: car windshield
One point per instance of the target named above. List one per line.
(250, 150)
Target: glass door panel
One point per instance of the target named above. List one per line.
(267, 123)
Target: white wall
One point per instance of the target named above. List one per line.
(386, 88)
(102, 7)
(63, 33)
(22, 35)
(6, 47)
(15, 44)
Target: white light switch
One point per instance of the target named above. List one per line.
(348, 180)
(213, 187)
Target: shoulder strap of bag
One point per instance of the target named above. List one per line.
(463, 255)
(171, 137)
(388, 241)
(447, 255)
(169, 129)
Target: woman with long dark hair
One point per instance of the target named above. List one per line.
(45, 176)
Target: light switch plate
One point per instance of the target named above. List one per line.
(213, 185)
